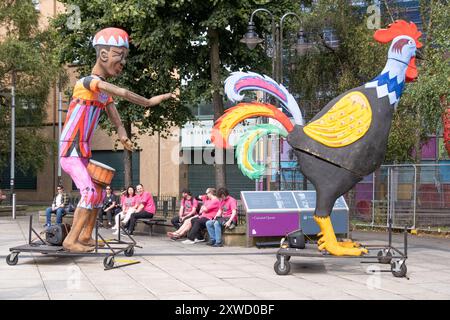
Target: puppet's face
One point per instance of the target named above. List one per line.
(113, 60)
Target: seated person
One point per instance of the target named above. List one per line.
(128, 202)
(110, 207)
(208, 211)
(60, 202)
(188, 209)
(187, 222)
(225, 217)
(183, 230)
(145, 208)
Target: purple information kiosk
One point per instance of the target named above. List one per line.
(276, 213)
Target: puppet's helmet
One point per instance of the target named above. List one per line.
(111, 37)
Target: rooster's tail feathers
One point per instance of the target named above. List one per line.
(242, 111)
(246, 145)
(241, 81)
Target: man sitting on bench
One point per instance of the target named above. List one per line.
(60, 202)
(145, 208)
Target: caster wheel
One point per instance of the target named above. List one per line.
(399, 273)
(129, 252)
(12, 259)
(384, 258)
(286, 258)
(108, 262)
(282, 271)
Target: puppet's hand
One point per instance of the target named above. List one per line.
(174, 96)
(158, 99)
(127, 144)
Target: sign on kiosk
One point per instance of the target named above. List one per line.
(276, 213)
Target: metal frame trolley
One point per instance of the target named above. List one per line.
(111, 249)
(384, 255)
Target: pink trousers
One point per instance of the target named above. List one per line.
(76, 168)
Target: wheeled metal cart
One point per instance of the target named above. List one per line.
(111, 249)
(377, 254)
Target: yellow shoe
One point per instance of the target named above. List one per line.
(329, 242)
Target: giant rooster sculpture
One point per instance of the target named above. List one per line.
(343, 143)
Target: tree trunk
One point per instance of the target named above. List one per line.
(127, 159)
(217, 100)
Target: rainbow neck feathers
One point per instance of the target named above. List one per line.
(390, 82)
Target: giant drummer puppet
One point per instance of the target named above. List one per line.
(91, 95)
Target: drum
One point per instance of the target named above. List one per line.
(100, 173)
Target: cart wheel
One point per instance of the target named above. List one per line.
(398, 273)
(384, 258)
(12, 259)
(108, 262)
(282, 271)
(286, 258)
(129, 252)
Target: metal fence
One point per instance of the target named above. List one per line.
(416, 196)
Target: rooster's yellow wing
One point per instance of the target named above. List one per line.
(346, 122)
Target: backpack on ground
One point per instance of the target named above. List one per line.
(56, 234)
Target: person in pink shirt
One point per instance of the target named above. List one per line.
(128, 202)
(188, 209)
(145, 208)
(208, 211)
(225, 217)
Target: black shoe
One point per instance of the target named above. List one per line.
(210, 243)
(218, 244)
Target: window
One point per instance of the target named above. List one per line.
(27, 181)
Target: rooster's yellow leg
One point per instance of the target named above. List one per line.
(349, 244)
(329, 242)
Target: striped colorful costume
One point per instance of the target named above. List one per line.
(75, 142)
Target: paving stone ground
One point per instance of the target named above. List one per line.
(172, 270)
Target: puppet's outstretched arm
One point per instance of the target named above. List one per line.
(132, 97)
(114, 117)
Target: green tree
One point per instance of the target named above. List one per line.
(198, 39)
(423, 101)
(28, 52)
(324, 72)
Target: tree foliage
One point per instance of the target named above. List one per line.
(165, 36)
(168, 36)
(30, 52)
(422, 99)
(325, 72)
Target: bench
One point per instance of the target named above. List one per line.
(152, 222)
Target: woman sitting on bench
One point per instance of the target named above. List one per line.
(128, 202)
(145, 208)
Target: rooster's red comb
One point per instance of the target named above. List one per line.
(399, 28)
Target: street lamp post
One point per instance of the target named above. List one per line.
(251, 39)
(59, 129)
(13, 142)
